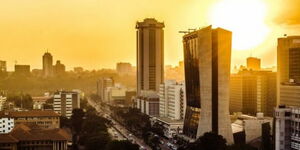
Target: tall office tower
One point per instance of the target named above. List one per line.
(102, 84)
(172, 100)
(288, 66)
(59, 68)
(287, 125)
(47, 64)
(253, 63)
(252, 92)
(2, 66)
(65, 101)
(124, 68)
(207, 55)
(150, 54)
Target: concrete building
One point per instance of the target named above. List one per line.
(44, 119)
(148, 103)
(102, 85)
(124, 68)
(2, 102)
(2, 66)
(171, 127)
(6, 123)
(59, 68)
(47, 64)
(288, 66)
(207, 57)
(287, 128)
(28, 137)
(150, 54)
(252, 92)
(65, 101)
(115, 95)
(22, 69)
(172, 100)
(253, 63)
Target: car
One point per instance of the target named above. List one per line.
(142, 148)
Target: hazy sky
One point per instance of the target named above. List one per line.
(97, 34)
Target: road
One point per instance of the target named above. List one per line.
(118, 127)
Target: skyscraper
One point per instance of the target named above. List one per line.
(288, 66)
(253, 63)
(47, 64)
(207, 55)
(150, 54)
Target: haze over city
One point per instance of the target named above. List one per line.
(96, 34)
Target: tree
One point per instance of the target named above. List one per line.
(240, 147)
(21, 100)
(76, 120)
(121, 145)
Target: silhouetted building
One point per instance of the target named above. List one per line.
(287, 125)
(253, 63)
(78, 69)
(124, 68)
(59, 68)
(65, 101)
(22, 69)
(288, 64)
(150, 54)
(47, 64)
(252, 92)
(102, 84)
(2, 66)
(207, 55)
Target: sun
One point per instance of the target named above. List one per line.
(245, 18)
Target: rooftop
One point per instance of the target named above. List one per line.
(33, 113)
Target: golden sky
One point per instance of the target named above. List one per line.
(97, 34)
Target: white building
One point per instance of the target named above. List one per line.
(172, 100)
(287, 128)
(6, 123)
(65, 101)
(2, 101)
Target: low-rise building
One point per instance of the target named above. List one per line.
(2, 102)
(171, 127)
(44, 119)
(28, 137)
(148, 103)
(6, 123)
(287, 128)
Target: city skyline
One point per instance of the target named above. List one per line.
(80, 34)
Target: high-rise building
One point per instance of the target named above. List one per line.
(124, 68)
(253, 63)
(288, 66)
(252, 92)
(150, 54)
(2, 66)
(22, 69)
(59, 68)
(172, 100)
(47, 64)
(207, 55)
(65, 101)
(287, 125)
(102, 84)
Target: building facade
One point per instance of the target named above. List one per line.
(148, 103)
(172, 100)
(22, 69)
(102, 85)
(253, 63)
(252, 92)
(287, 128)
(47, 65)
(59, 68)
(288, 66)
(124, 68)
(65, 101)
(6, 123)
(150, 54)
(2, 66)
(207, 55)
